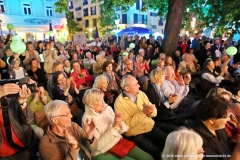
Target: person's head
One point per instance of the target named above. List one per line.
(190, 50)
(162, 56)
(40, 44)
(169, 61)
(141, 52)
(207, 44)
(102, 53)
(58, 66)
(108, 66)
(59, 79)
(130, 85)
(221, 92)
(131, 55)
(143, 39)
(170, 74)
(186, 74)
(58, 113)
(159, 38)
(93, 98)
(89, 55)
(99, 59)
(30, 46)
(101, 82)
(214, 111)
(129, 64)
(62, 48)
(48, 46)
(217, 61)
(186, 57)
(76, 66)
(217, 41)
(160, 63)
(33, 63)
(208, 64)
(157, 76)
(74, 56)
(66, 63)
(235, 88)
(177, 53)
(139, 59)
(8, 52)
(183, 142)
(197, 35)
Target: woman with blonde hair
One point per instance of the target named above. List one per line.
(183, 144)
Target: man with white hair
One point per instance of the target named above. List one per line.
(138, 112)
(65, 139)
(89, 61)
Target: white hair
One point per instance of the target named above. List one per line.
(88, 53)
(125, 80)
(140, 50)
(98, 80)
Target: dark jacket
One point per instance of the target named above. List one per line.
(212, 145)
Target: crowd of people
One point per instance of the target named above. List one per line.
(107, 101)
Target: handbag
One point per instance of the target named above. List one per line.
(75, 110)
(41, 119)
(122, 148)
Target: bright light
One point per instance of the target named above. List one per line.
(90, 29)
(117, 21)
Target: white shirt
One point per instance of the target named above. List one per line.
(19, 73)
(212, 79)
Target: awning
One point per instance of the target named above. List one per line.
(134, 31)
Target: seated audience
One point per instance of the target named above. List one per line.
(67, 67)
(187, 65)
(88, 61)
(169, 62)
(160, 64)
(142, 70)
(97, 67)
(128, 68)
(183, 144)
(109, 127)
(137, 113)
(64, 53)
(212, 116)
(81, 77)
(65, 139)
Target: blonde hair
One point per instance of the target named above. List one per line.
(92, 95)
(218, 92)
(98, 79)
(182, 142)
(157, 75)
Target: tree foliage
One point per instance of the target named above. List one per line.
(62, 6)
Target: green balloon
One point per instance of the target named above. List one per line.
(231, 51)
(125, 54)
(18, 47)
(10, 26)
(16, 38)
(61, 40)
(154, 62)
(50, 33)
(132, 45)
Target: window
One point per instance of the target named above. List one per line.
(144, 19)
(154, 26)
(79, 19)
(94, 22)
(93, 10)
(140, 19)
(27, 9)
(86, 23)
(85, 12)
(138, 5)
(153, 14)
(70, 4)
(49, 11)
(124, 18)
(80, 29)
(78, 9)
(160, 22)
(2, 6)
(85, 2)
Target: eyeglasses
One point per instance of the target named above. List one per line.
(62, 115)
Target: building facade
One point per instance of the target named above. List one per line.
(31, 19)
(86, 12)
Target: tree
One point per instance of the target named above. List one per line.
(62, 6)
(221, 15)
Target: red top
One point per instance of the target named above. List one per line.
(184, 47)
(232, 130)
(5, 148)
(80, 80)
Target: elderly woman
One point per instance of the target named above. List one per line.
(183, 144)
(212, 115)
(65, 139)
(66, 90)
(101, 82)
(187, 64)
(209, 78)
(166, 118)
(113, 79)
(97, 67)
(109, 127)
(64, 54)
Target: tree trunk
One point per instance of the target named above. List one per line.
(173, 25)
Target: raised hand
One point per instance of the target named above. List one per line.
(71, 140)
(90, 127)
(9, 88)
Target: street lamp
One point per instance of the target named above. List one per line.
(117, 23)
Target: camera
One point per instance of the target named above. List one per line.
(20, 83)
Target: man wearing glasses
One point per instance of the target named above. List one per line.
(65, 139)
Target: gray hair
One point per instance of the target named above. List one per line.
(125, 80)
(88, 53)
(102, 52)
(92, 95)
(52, 107)
(140, 50)
(98, 80)
(182, 142)
(98, 56)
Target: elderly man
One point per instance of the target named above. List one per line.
(89, 61)
(182, 106)
(65, 139)
(128, 68)
(138, 112)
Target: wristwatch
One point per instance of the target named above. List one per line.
(23, 104)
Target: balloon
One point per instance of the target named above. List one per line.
(154, 62)
(50, 33)
(18, 47)
(132, 45)
(61, 40)
(10, 26)
(231, 51)
(125, 54)
(16, 38)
